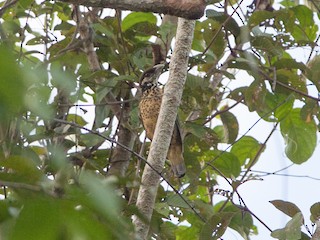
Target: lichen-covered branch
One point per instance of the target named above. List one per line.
(189, 9)
(167, 116)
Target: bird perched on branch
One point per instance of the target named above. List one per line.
(149, 107)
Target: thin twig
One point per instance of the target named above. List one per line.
(223, 110)
(135, 154)
(6, 5)
(219, 30)
(266, 114)
(259, 151)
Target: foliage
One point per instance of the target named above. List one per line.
(53, 174)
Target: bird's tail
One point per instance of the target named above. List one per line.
(177, 162)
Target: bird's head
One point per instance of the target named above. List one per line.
(150, 77)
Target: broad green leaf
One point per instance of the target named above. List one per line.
(291, 79)
(287, 208)
(212, 28)
(137, 17)
(20, 169)
(194, 81)
(309, 110)
(77, 119)
(176, 200)
(184, 232)
(288, 63)
(90, 139)
(255, 96)
(225, 162)
(246, 149)
(315, 212)
(100, 195)
(305, 29)
(62, 79)
(227, 21)
(314, 66)
(168, 230)
(4, 211)
(266, 44)
(203, 133)
(292, 230)
(285, 108)
(26, 3)
(241, 222)
(259, 17)
(162, 208)
(12, 84)
(231, 126)
(300, 136)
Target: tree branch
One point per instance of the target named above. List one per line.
(189, 9)
(167, 116)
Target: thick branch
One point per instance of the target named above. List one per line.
(93, 60)
(120, 158)
(167, 116)
(189, 9)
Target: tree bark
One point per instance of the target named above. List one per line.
(189, 9)
(120, 159)
(166, 120)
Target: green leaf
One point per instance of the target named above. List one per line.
(241, 222)
(314, 66)
(12, 88)
(203, 133)
(289, 63)
(315, 212)
(284, 109)
(292, 230)
(305, 29)
(291, 79)
(231, 126)
(216, 226)
(246, 149)
(20, 169)
(76, 119)
(212, 28)
(176, 200)
(162, 208)
(137, 17)
(255, 96)
(300, 137)
(266, 44)
(287, 208)
(226, 162)
(229, 23)
(259, 17)
(168, 230)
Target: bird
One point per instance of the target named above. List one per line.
(149, 107)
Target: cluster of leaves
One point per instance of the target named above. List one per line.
(53, 174)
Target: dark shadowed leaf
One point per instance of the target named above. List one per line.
(287, 208)
(231, 126)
